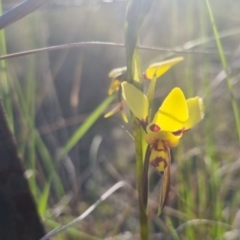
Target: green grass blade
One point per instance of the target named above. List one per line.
(85, 126)
(43, 200)
(4, 84)
(48, 165)
(73, 232)
(107, 194)
(225, 67)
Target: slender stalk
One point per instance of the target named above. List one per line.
(107, 194)
(180, 49)
(136, 12)
(139, 168)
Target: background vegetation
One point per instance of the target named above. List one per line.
(52, 100)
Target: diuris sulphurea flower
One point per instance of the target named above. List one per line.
(175, 116)
(118, 75)
(162, 131)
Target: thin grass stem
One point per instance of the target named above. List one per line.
(225, 67)
(107, 194)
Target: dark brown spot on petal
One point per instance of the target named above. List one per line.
(157, 148)
(156, 162)
(179, 132)
(154, 128)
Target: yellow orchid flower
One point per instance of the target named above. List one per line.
(176, 115)
(117, 75)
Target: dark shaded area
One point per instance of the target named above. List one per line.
(18, 215)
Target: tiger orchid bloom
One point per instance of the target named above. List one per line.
(118, 75)
(175, 116)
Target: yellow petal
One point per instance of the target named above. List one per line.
(158, 156)
(159, 68)
(114, 86)
(173, 113)
(196, 112)
(117, 75)
(151, 137)
(116, 72)
(169, 139)
(136, 101)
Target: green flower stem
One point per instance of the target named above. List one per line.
(136, 12)
(137, 131)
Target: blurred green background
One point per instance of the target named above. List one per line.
(49, 97)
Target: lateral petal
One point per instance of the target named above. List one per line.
(159, 68)
(196, 112)
(136, 101)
